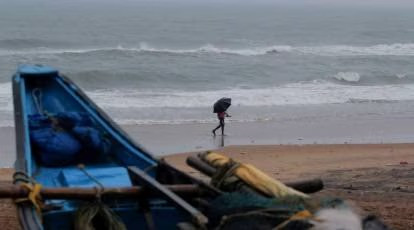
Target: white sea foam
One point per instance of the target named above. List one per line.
(310, 93)
(347, 50)
(401, 76)
(348, 76)
(291, 94)
(397, 49)
(6, 102)
(209, 48)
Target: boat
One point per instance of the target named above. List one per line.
(166, 198)
(75, 167)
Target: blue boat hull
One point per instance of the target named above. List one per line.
(61, 95)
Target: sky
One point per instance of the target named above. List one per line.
(293, 2)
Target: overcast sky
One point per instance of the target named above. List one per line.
(346, 4)
(326, 2)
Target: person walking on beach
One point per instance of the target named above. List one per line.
(221, 116)
(220, 108)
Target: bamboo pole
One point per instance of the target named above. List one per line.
(17, 191)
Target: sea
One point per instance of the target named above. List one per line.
(167, 62)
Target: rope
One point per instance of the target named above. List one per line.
(34, 188)
(34, 196)
(38, 99)
(97, 215)
(260, 215)
(82, 168)
(20, 176)
(224, 173)
(302, 215)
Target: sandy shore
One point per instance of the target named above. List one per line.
(8, 213)
(379, 178)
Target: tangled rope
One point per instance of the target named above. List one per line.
(97, 216)
(33, 197)
(33, 187)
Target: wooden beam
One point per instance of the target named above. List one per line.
(155, 187)
(73, 193)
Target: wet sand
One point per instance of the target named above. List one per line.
(164, 139)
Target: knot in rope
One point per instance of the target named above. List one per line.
(33, 197)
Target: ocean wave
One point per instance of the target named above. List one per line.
(401, 76)
(6, 100)
(311, 93)
(131, 106)
(209, 48)
(58, 51)
(330, 50)
(355, 78)
(360, 101)
(347, 76)
(305, 93)
(144, 47)
(396, 49)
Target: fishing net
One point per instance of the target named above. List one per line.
(257, 201)
(97, 216)
(232, 176)
(245, 210)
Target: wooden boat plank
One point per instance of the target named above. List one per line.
(154, 186)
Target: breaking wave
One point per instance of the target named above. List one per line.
(355, 78)
(6, 102)
(306, 93)
(347, 76)
(140, 104)
(331, 50)
(290, 94)
(360, 101)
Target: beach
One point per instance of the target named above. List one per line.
(365, 159)
(318, 89)
(377, 178)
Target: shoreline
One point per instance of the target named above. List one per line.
(167, 139)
